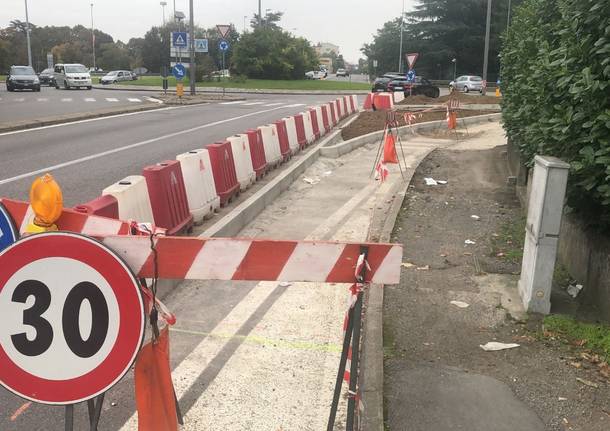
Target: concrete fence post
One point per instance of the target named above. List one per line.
(542, 232)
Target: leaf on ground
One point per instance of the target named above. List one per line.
(587, 382)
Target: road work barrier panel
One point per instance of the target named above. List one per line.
(382, 101)
(326, 120)
(271, 144)
(199, 184)
(104, 206)
(291, 131)
(123, 262)
(300, 125)
(257, 152)
(131, 194)
(310, 137)
(243, 161)
(313, 115)
(223, 169)
(333, 114)
(282, 134)
(168, 197)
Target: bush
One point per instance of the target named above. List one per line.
(555, 66)
(238, 79)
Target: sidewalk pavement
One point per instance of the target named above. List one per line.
(436, 375)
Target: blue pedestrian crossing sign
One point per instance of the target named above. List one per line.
(179, 71)
(179, 39)
(8, 232)
(411, 75)
(223, 45)
(201, 45)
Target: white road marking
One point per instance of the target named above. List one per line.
(42, 99)
(234, 102)
(66, 99)
(120, 149)
(133, 99)
(20, 99)
(295, 105)
(273, 104)
(152, 99)
(253, 103)
(89, 99)
(112, 99)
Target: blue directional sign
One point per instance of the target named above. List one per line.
(8, 232)
(179, 71)
(223, 45)
(179, 39)
(411, 75)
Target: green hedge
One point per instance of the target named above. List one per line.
(555, 66)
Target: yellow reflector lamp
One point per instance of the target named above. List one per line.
(46, 201)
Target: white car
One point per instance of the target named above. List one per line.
(467, 83)
(71, 76)
(314, 74)
(115, 76)
(342, 72)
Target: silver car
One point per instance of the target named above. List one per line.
(116, 76)
(467, 83)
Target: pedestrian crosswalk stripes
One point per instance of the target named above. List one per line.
(66, 99)
(112, 99)
(89, 99)
(133, 99)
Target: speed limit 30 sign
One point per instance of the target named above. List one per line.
(72, 318)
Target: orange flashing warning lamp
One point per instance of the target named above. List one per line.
(46, 201)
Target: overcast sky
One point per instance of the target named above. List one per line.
(347, 23)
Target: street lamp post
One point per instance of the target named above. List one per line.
(245, 17)
(27, 34)
(192, 46)
(486, 53)
(260, 14)
(402, 19)
(93, 38)
(454, 61)
(163, 4)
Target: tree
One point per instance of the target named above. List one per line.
(271, 19)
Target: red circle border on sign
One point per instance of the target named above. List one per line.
(131, 310)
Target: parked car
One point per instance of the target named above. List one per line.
(46, 77)
(467, 83)
(115, 76)
(381, 83)
(422, 86)
(134, 76)
(22, 78)
(342, 72)
(314, 74)
(71, 75)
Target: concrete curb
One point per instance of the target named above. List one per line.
(245, 212)
(172, 90)
(30, 124)
(372, 350)
(335, 151)
(470, 106)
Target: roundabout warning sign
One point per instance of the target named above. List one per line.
(72, 318)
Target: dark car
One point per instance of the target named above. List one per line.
(22, 78)
(47, 78)
(381, 83)
(422, 86)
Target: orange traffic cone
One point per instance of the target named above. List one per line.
(389, 149)
(452, 120)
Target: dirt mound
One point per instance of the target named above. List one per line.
(465, 99)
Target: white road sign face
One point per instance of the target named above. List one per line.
(72, 318)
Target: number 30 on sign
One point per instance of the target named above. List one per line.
(72, 318)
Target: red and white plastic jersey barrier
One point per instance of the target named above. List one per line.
(320, 120)
(399, 96)
(199, 183)
(271, 143)
(248, 259)
(339, 108)
(382, 101)
(132, 195)
(291, 131)
(313, 116)
(354, 102)
(326, 120)
(71, 220)
(309, 134)
(334, 118)
(282, 135)
(345, 106)
(257, 152)
(104, 206)
(243, 160)
(300, 125)
(223, 168)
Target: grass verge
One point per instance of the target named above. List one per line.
(256, 84)
(592, 336)
(508, 242)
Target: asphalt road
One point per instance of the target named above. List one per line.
(87, 156)
(29, 105)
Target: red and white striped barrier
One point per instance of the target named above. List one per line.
(199, 183)
(104, 206)
(291, 130)
(223, 170)
(309, 134)
(132, 195)
(334, 118)
(354, 102)
(248, 259)
(382, 101)
(313, 117)
(320, 120)
(326, 120)
(257, 152)
(243, 160)
(271, 143)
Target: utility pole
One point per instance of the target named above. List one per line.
(27, 34)
(93, 38)
(486, 53)
(260, 14)
(163, 4)
(192, 47)
(508, 17)
(402, 19)
(174, 9)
